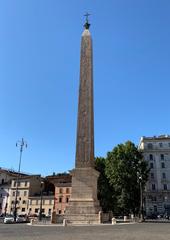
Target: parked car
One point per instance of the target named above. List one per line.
(160, 216)
(9, 219)
(151, 216)
(166, 216)
(20, 219)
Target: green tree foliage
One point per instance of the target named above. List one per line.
(123, 167)
(118, 182)
(106, 194)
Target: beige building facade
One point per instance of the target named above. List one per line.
(27, 186)
(47, 205)
(156, 151)
(6, 176)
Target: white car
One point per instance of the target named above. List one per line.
(9, 219)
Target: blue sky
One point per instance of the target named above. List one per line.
(39, 77)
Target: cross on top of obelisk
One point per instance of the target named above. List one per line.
(87, 24)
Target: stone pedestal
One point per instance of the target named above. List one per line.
(83, 204)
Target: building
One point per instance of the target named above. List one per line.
(27, 186)
(52, 193)
(156, 151)
(43, 200)
(62, 184)
(6, 177)
(47, 205)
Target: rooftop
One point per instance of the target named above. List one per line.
(160, 137)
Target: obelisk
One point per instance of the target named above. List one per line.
(83, 205)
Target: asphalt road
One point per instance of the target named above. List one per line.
(139, 231)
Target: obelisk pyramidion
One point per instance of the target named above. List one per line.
(83, 205)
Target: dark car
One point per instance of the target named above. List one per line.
(166, 216)
(151, 216)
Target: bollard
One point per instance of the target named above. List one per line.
(31, 221)
(100, 216)
(64, 222)
(113, 221)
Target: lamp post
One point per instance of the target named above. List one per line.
(21, 144)
(41, 198)
(6, 204)
(141, 199)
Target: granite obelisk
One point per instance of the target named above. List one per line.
(83, 205)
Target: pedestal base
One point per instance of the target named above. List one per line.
(83, 207)
(78, 219)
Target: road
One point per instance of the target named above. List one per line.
(139, 231)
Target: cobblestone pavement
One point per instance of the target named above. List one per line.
(141, 231)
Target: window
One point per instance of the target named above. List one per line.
(18, 193)
(49, 211)
(155, 209)
(59, 211)
(60, 190)
(12, 202)
(30, 209)
(150, 146)
(67, 199)
(36, 210)
(14, 183)
(154, 199)
(23, 210)
(150, 157)
(169, 144)
(163, 165)
(165, 198)
(162, 156)
(2, 181)
(161, 145)
(152, 175)
(43, 210)
(151, 165)
(67, 190)
(60, 199)
(23, 202)
(26, 183)
(25, 193)
(13, 194)
(153, 187)
(163, 175)
(165, 186)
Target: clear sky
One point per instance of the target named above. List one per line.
(39, 77)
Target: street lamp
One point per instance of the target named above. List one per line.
(41, 198)
(6, 203)
(20, 144)
(141, 198)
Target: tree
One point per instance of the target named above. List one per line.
(106, 194)
(123, 166)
